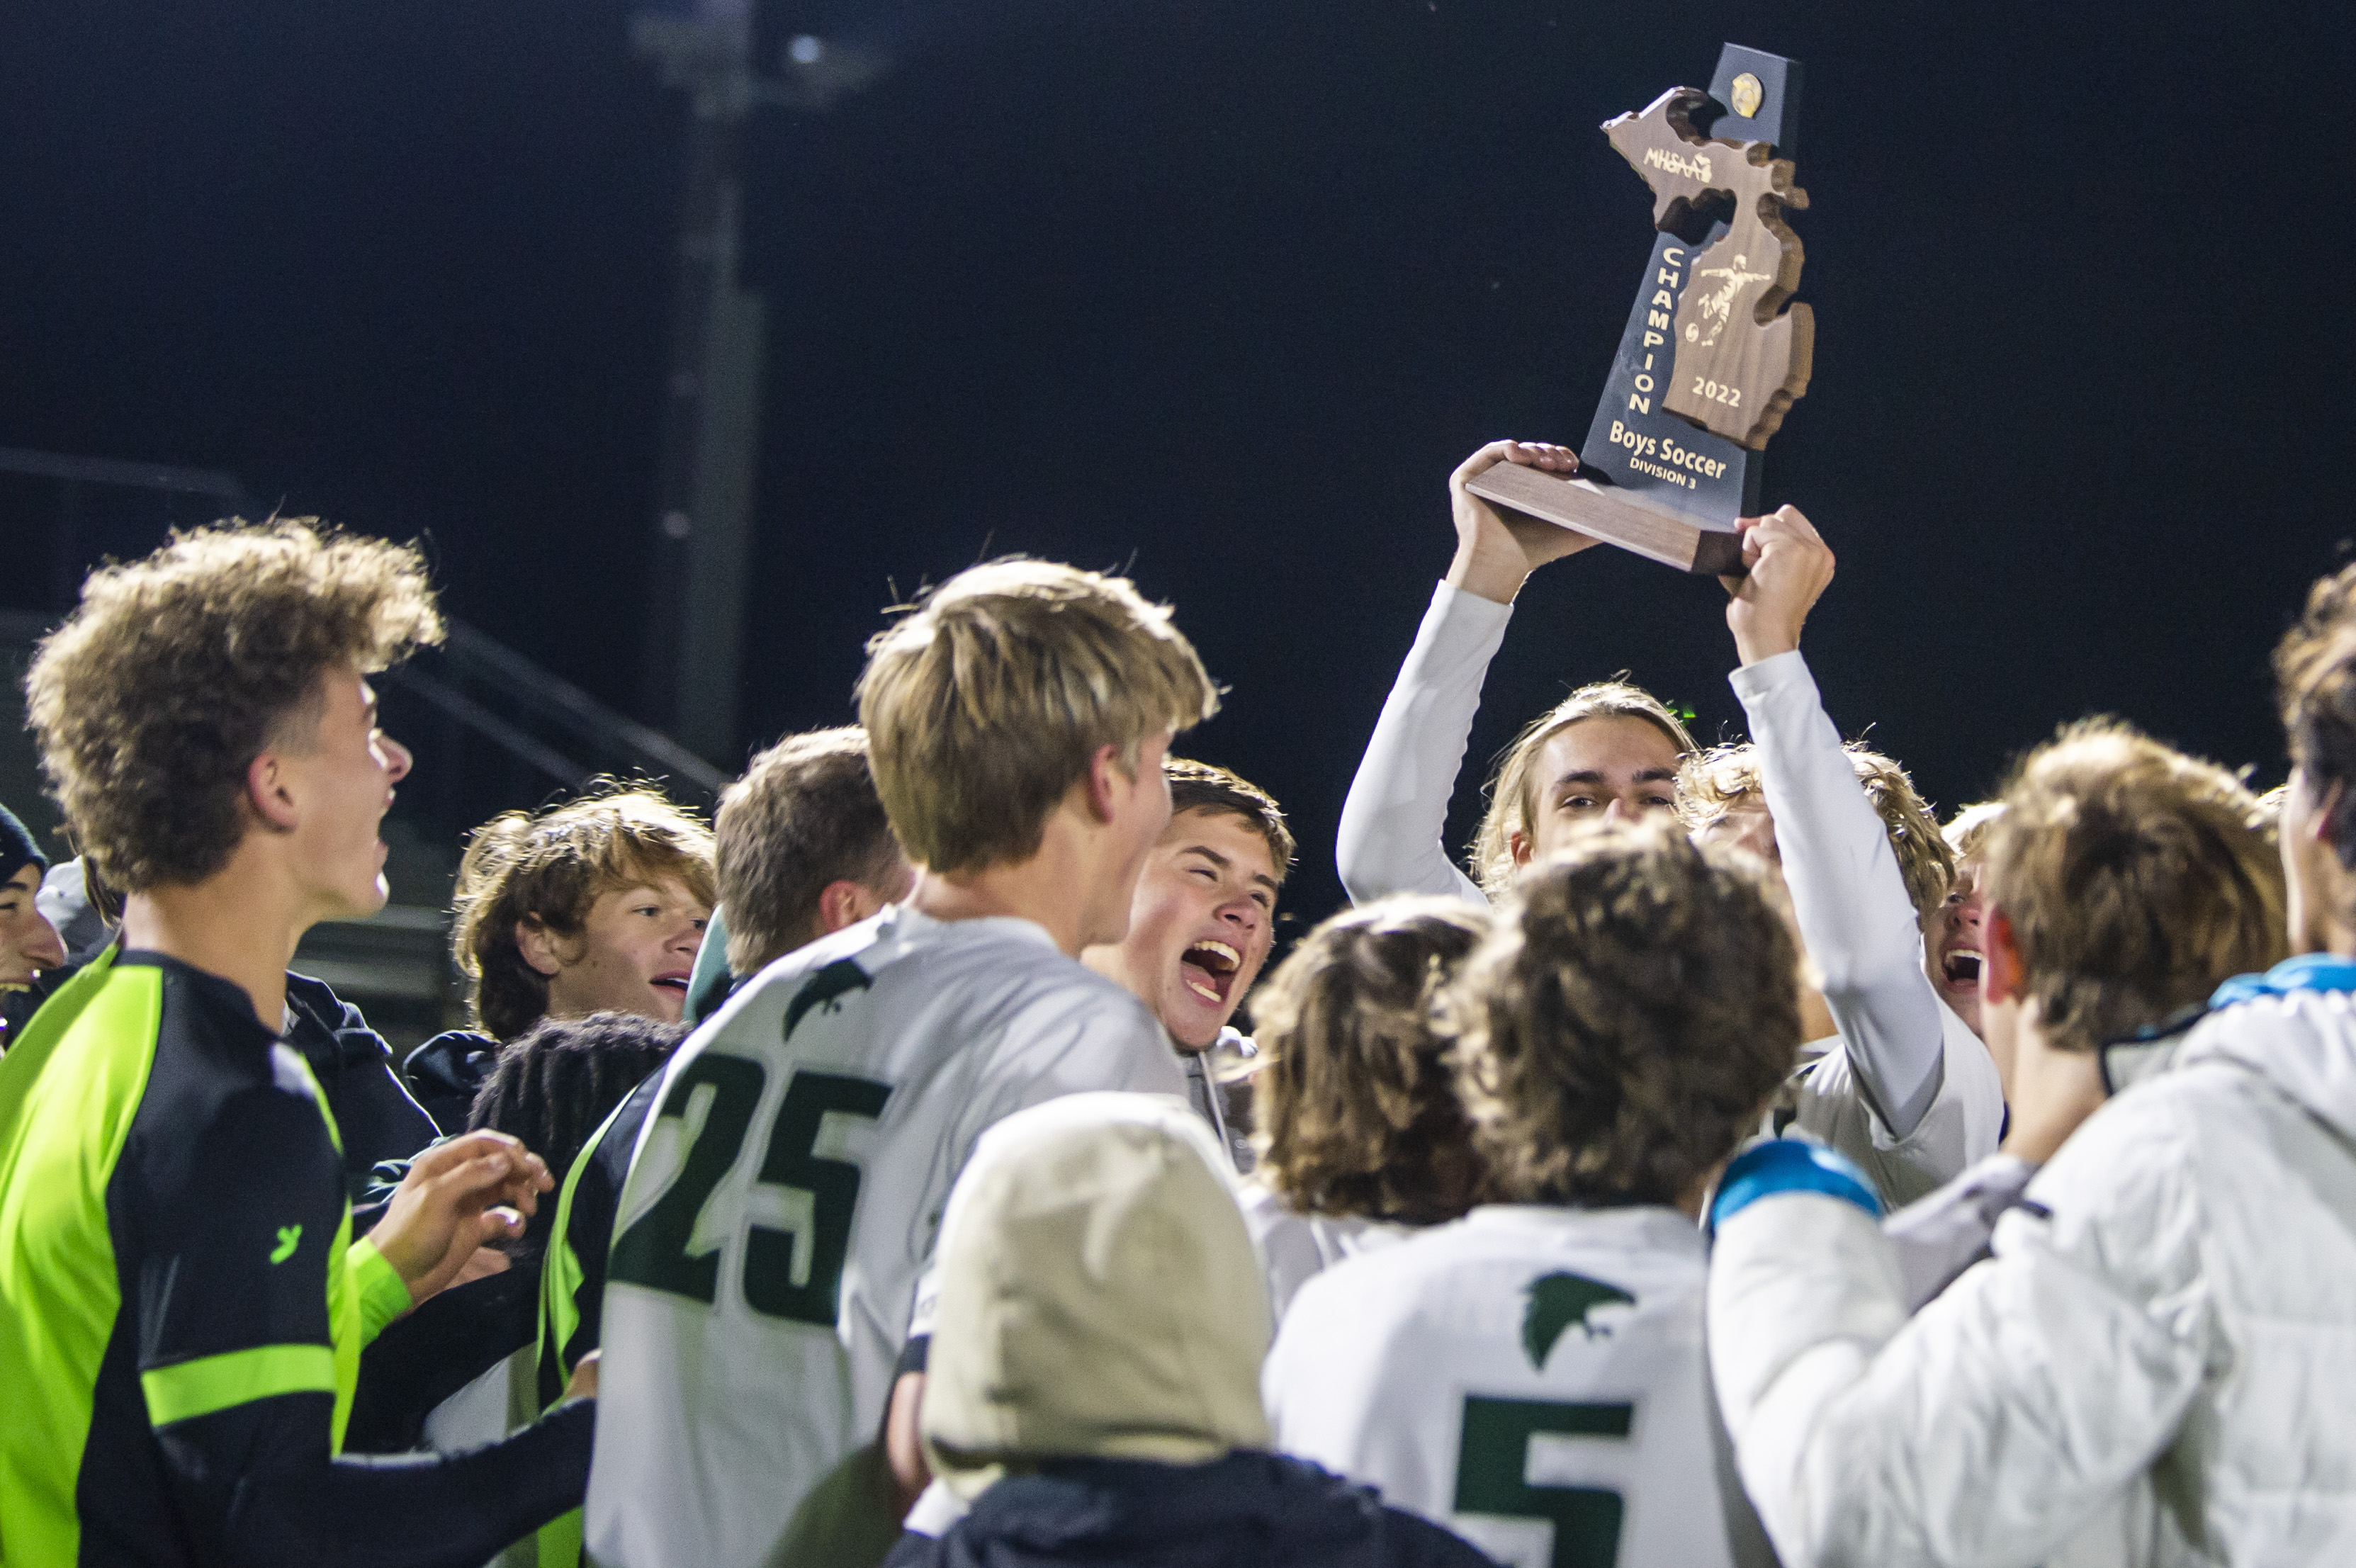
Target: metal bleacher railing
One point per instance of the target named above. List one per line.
(491, 729)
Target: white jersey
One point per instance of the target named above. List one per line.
(1294, 1248)
(785, 1196)
(1962, 1127)
(1531, 1378)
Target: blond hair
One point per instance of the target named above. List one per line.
(2265, 818)
(1716, 781)
(1967, 830)
(984, 705)
(2315, 680)
(1626, 1019)
(1356, 1107)
(2133, 879)
(176, 670)
(547, 868)
(804, 816)
(1514, 787)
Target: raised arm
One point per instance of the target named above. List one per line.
(1861, 925)
(1397, 806)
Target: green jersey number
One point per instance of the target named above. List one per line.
(1493, 1464)
(653, 1250)
(833, 1187)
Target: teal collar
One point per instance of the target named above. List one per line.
(2309, 972)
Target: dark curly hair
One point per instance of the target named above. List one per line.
(176, 670)
(1626, 1019)
(555, 1082)
(1357, 1107)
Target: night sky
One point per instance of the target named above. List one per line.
(1218, 294)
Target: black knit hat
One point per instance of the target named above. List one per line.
(17, 848)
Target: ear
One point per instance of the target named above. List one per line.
(2000, 966)
(1518, 845)
(1107, 784)
(2323, 824)
(537, 944)
(269, 789)
(844, 903)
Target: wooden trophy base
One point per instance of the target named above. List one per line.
(1585, 507)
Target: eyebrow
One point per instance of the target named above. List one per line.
(1591, 775)
(1222, 863)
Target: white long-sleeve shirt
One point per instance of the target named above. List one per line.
(1901, 1047)
(1909, 1092)
(1398, 807)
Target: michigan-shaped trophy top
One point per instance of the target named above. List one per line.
(1741, 357)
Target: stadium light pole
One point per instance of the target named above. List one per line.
(710, 412)
(710, 390)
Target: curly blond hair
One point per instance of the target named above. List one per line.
(1626, 1019)
(1967, 830)
(1514, 787)
(549, 867)
(2135, 879)
(1716, 781)
(983, 705)
(176, 670)
(1356, 1108)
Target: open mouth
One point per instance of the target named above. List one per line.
(1962, 968)
(1208, 968)
(675, 980)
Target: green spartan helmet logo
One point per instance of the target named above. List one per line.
(1558, 1300)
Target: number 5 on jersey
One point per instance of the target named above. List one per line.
(1492, 1466)
(654, 1250)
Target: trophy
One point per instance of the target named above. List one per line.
(1714, 353)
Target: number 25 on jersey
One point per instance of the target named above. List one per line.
(723, 1092)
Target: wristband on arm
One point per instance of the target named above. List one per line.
(1780, 1166)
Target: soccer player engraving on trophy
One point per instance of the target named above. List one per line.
(1714, 352)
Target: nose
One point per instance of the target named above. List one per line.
(397, 760)
(43, 950)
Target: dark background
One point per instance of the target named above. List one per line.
(1218, 292)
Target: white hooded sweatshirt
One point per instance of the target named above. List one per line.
(2155, 1367)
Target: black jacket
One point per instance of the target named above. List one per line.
(446, 1070)
(1245, 1509)
(374, 1115)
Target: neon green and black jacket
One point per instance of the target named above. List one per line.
(182, 1308)
(572, 1275)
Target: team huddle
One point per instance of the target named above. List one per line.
(1733, 1165)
